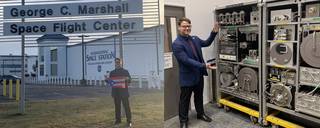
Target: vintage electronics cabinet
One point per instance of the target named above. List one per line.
(239, 55)
(291, 60)
(268, 60)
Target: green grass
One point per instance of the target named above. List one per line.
(147, 112)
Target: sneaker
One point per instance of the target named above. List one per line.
(129, 125)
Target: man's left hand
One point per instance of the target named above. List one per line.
(210, 66)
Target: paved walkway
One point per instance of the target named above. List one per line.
(221, 119)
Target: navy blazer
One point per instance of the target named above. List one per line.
(190, 69)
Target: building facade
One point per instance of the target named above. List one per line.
(12, 64)
(142, 55)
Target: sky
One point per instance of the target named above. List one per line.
(15, 49)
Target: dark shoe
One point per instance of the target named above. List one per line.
(204, 118)
(117, 122)
(184, 125)
(117, 125)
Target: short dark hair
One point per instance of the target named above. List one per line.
(184, 19)
(117, 59)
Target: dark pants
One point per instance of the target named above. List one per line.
(125, 103)
(185, 100)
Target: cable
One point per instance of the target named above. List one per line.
(313, 80)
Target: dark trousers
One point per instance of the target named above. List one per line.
(185, 100)
(125, 103)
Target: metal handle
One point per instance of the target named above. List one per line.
(286, 49)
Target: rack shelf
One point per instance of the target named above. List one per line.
(283, 24)
(247, 98)
(282, 41)
(240, 26)
(292, 112)
(281, 66)
(280, 3)
(239, 63)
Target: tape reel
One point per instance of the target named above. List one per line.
(281, 95)
(248, 80)
(310, 49)
(226, 79)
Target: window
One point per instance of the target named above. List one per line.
(54, 69)
(15, 71)
(41, 70)
(11, 66)
(41, 54)
(54, 55)
(41, 58)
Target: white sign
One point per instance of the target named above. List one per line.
(73, 9)
(168, 60)
(99, 59)
(73, 26)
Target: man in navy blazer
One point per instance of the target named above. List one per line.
(192, 68)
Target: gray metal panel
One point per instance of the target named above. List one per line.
(307, 1)
(280, 3)
(264, 111)
(235, 5)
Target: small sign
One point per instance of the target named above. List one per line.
(99, 68)
(168, 60)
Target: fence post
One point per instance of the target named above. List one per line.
(140, 81)
(17, 90)
(4, 93)
(10, 89)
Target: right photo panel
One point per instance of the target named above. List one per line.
(241, 63)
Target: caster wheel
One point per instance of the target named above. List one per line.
(274, 126)
(226, 108)
(265, 123)
(254, 119)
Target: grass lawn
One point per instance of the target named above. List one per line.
(147, 112)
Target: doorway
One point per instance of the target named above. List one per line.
(171, 76)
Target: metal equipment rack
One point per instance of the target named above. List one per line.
(236, 34)
(288, 80)
(297, 12)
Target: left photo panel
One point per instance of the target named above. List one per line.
(82, 64)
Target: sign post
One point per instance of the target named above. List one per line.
(83, 81)
(23, 82)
